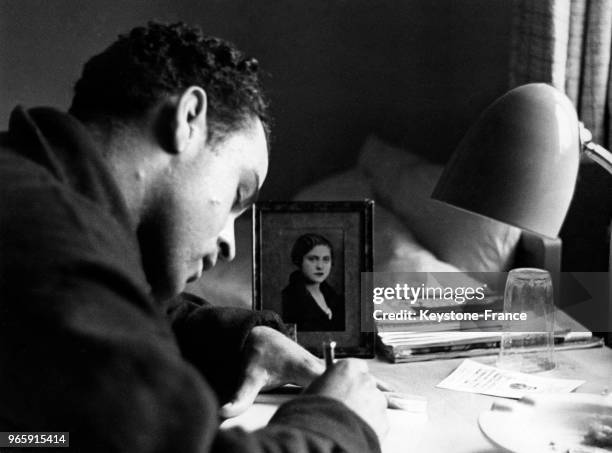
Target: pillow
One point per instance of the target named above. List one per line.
(395, 247)
(403, 182)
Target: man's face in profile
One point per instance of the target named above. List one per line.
(194, 226)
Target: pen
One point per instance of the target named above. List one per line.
(329, 352)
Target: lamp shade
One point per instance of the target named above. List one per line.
(518, 163)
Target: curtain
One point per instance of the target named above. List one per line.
(567, 43)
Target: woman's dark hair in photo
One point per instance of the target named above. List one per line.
(305, 244)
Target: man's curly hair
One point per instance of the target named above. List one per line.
(157, 61)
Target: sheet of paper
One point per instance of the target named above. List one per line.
(405, 431)
(475, 377)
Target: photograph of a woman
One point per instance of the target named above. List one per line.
(308, 259)
(308, 300)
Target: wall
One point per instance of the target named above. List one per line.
(416, 72)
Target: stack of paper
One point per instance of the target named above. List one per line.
(413, 341)
(420, 346)
(417, 346)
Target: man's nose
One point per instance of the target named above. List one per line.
(226, 242)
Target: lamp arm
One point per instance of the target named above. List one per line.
(593, 151)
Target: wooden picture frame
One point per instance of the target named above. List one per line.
(326, 304)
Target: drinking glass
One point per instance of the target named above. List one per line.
(528, 346)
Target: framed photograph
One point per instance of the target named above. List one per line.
(307, 263)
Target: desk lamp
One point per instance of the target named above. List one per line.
(518, 163)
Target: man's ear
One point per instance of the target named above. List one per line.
(190, 118)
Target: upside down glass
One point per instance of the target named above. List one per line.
(528, 346)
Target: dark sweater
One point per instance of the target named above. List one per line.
(85, 349)
(301, 308)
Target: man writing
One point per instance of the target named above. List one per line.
(105, 215)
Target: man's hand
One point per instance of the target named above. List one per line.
(349, 382)
(271, 359)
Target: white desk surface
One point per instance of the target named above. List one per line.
(452, 416)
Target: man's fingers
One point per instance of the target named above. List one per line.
(307, 369)
(245, 396)
(356, 365)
